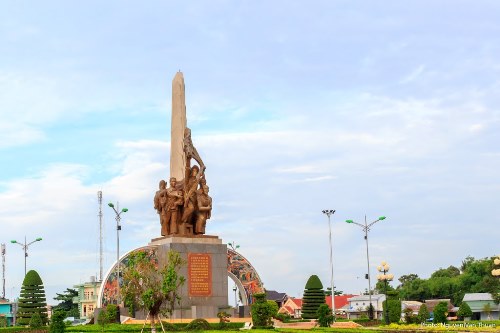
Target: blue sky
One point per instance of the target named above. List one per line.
(387, 108)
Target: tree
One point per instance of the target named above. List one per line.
(440, 313)
(325, 315)
(32, 299)
(314, 296)
(148, 287)
(464, 311)
(57, 322)
(328, 291)
(262, 311)
(407, 278)
(66, 302)
(487, 310)
(394, 309)
(423, 314)
(449, 272)
(273, 308)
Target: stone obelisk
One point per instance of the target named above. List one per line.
(178, 126)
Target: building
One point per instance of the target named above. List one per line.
(341, 304)
(292, 307)
(414, 306)
(431, 304)
(8, 311)
(87, 297)
(358, 306)
(478, 304)
(279, 298)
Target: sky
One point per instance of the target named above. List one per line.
(368, 108)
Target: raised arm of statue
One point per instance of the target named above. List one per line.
(191, 151)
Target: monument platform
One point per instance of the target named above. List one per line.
(205, 292)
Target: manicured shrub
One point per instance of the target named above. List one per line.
(440, 313)
(32, 300)
(314, 296)
(464, 311)
(198, 325)
(57, 322)
(262, 312)
(423, 314)
(325, 315)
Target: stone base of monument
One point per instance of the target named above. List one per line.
(204, 293)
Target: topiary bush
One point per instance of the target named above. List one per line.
(199, 324)
(314, 296)
(32, 300)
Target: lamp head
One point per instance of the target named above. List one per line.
(111, 205)
(124, 210)
(237, 246)
(13, 241)
(381, 218)
(349, 221)
(38, 239)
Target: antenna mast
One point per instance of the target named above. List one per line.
(99, 197)
(3, 271)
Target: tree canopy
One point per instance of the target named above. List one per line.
(474, 276)
(150, 287)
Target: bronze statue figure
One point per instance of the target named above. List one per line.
(204, 209)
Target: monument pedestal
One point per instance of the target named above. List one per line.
(204, 293)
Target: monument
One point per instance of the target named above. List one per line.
(184, 206)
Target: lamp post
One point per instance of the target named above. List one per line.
(118, 213)
(25, 248)
(234, 246)
(328, 213)
(496, 273)
(366, 227)
(384, 269)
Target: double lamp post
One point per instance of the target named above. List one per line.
(25, 246)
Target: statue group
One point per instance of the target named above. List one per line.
(185, 206)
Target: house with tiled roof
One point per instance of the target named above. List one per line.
(292, 307)
(478, 303)
(341, 303)
(431, 304)
(279, 298)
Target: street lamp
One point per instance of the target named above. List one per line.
(366, 227)
(384, 269)
(25, 248)
(233, 246)
(118, 213)
(328, 213)
(496, 273)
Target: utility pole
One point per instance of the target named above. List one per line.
(99, 197)
(3, 271)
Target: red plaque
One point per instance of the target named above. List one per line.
(199, 274)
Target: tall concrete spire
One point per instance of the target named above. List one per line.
(178, 126)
